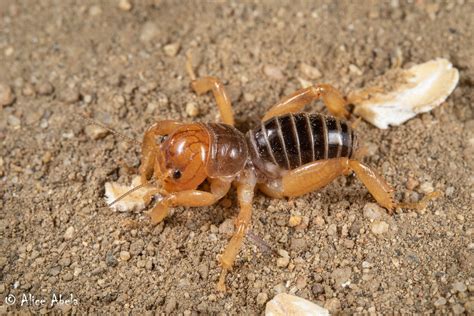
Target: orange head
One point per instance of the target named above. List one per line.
(182, 158)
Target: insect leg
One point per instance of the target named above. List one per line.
(205, 84)
(307, 178)
(381, 190)
(245, 191)
(190, 198)
(377, 186)
(150, 146)
(296, 101)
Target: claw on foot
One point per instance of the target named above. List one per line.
(421, 204)
(158, 213)
(221, 283)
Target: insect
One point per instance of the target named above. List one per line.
(290, 154)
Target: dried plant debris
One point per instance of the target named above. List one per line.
(285, 305)
(400, 94)
(134, 200)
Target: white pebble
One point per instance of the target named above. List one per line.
(309, 71)
(285, 304)
(426, 188)
(262, 298)
(192, 109)
(95, 10)
(283, 262)
(294, 220)
(379, 227)
(124, 255)
(172, 49)
(95, 132)
(440, 302)
(69, 233)
(149, 32)
(353, 69)
(6, 95)
(273, 72)
(459, 286)
(125, 5)
(373, 211)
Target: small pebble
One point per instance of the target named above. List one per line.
(373, 211)
(149, 32)
(28, 90)
(333, 305)
(125, 5)
(45, 88)
(283, 253)
(95, 132)
(294, 220)
(95, 10)
(411, 184)
(279, 288)
(379, 227)
(283, 262)
(273, 72)
(13, 120)
(6, 95)
(110, 259)
(449, 191)
(172, 49)
(70, 96)
(69, 233)
(301, 282)
(9, 51)
(54, 271)
(47, 157)
(227, 227)
(459, 286)
(317, 289)
(353, 69)
(426, 188)
(440, 302)
(262, 298)
(309, 71)
(170, 305)
(285, 304)
(298, 244)
(458, 309)
(68, 277)
(192, 109)
(88, 98)
(149, 265)
(469, 306)
(125, 255)
(319, 221)
(332, 230)
(248, 97)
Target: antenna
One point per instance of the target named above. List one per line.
(94, 122)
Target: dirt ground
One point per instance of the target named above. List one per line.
(125, 67)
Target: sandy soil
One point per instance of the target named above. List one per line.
(125, 66)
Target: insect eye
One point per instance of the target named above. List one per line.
(161, 139)
(176, 174)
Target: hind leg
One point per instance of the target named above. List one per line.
(318, 174)
(296, 102)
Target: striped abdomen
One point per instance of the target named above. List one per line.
(292, 140)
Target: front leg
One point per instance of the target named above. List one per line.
(190, 198)
(245, 192)
(150, 146)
